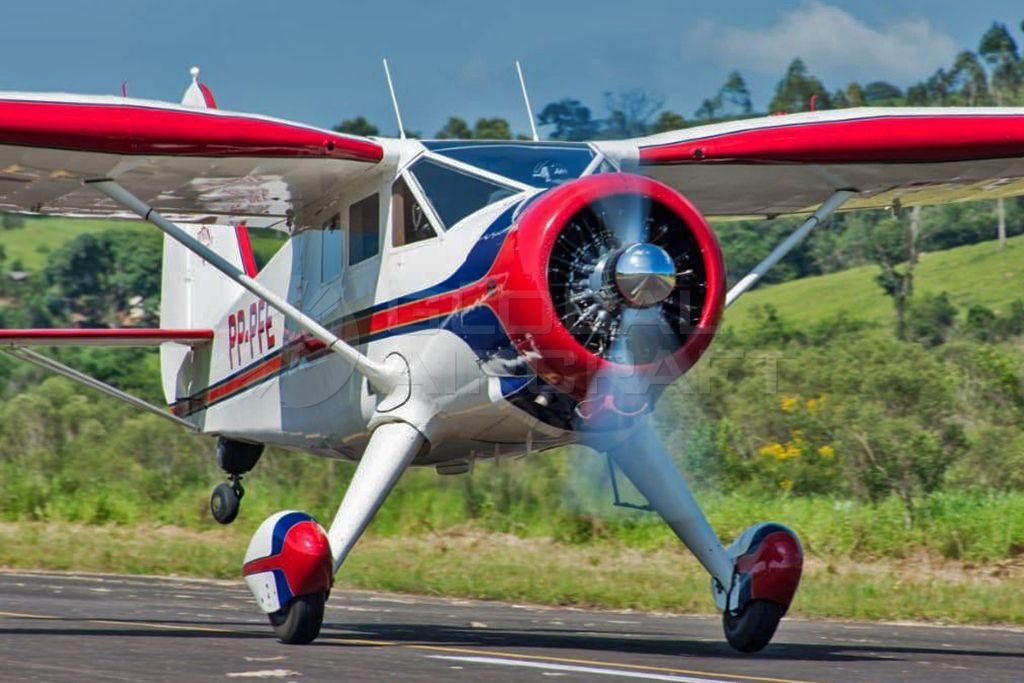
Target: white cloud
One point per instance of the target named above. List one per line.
(832, 42)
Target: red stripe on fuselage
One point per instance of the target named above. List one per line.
(352, 331)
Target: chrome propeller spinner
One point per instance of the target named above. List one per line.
(644, 274)
(627, 279)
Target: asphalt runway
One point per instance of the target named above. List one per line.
(67, 627)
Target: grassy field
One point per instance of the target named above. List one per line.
(33, 243)
(471, 564)
(974, 274)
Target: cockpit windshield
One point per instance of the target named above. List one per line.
(539, 165)
(454, 194)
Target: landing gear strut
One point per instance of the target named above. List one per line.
(291, 560)
(754, 580)
(236, 458)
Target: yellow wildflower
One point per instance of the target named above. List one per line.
(826, 452)
(787, 403)
(786, 484)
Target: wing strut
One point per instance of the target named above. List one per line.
(382, 377)
(750, 279)
(47, 363)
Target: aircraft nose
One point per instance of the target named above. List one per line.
(644, 274)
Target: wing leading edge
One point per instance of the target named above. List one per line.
(791, 163)
(195, 165)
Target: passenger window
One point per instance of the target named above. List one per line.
(454, 194)
(330, 249)
(408, 222)
(364, 229)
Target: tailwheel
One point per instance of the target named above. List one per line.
(752, 629)
(226, 500)
(300, 620)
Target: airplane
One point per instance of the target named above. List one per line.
(441, 301)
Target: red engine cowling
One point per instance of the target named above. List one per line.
(553, 261)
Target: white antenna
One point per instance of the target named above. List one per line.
(394, 100)
(526, 99)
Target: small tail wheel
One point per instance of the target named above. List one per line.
(226, 501)
(752, 629)
(300, 620)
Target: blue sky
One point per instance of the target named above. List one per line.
(318, 61)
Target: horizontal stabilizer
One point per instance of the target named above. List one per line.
(128, 337)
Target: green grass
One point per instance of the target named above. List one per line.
(33, 243)
(467, 563)
(974, 274)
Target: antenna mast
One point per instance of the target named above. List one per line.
(394, 100)
(526, 99)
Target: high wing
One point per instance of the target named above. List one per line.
(791, 163)
(191, 164)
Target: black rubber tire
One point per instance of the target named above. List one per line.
(752, 629)
(225, 503)
(299, 623)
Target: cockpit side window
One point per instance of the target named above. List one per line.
(409, 223)
(330, 249)
(454, 194)
(364, 229)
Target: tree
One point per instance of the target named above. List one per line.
(492, 129)
(796, 89)
(455, 129)
(999, 51)
(882, 94)
(571, 120)
(855, 95)
(12, 221)
(666, 121)
(895, 251)
(931, 318)
(709, 109)
(95, 275)
(732, 100)
(933, 91)
(357, 126)
(968, 81)
(629, 113)
(735, 96)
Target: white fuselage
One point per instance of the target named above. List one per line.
(263, 380)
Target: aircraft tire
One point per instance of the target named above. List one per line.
(752, 629)
(300, 621)
(225, 503)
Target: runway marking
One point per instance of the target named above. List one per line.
(266, 673)
(19, 615)
(169, 627)
(122, 622)
(357, 641)
(572, 668)
(591, 662)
